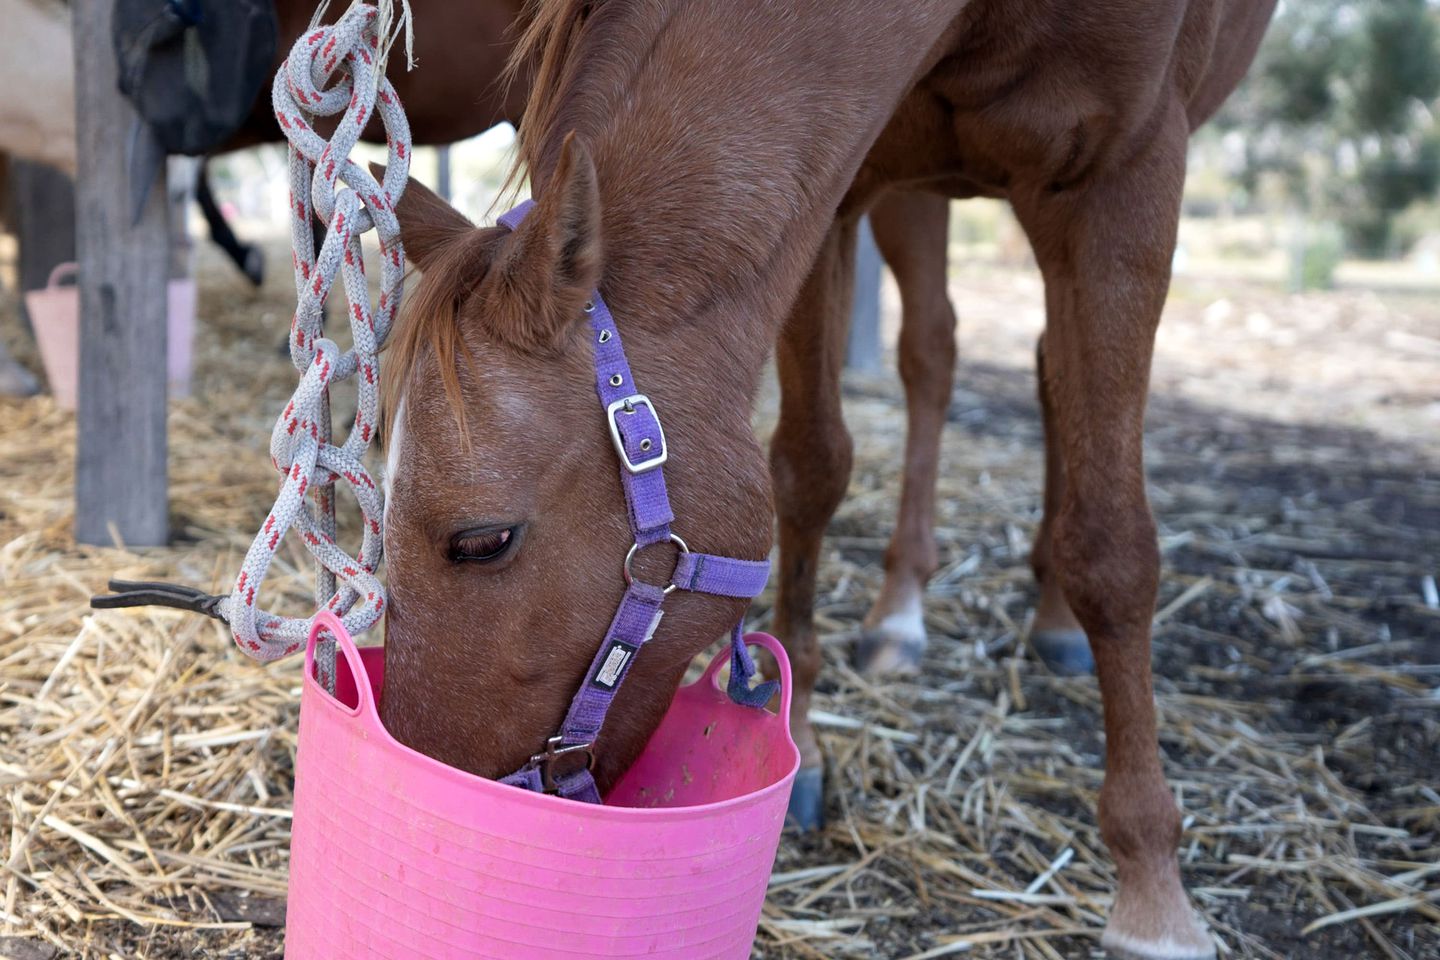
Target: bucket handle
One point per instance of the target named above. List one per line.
(324, 622)
(61, 272)
(768, 642)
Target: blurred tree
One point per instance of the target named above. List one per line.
(1341, 105)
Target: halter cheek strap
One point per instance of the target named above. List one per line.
(634, 427)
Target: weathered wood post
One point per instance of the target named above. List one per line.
(121, 448)
(864, 351)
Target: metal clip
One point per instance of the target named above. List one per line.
(555, 749)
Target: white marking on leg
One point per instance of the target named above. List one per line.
(906, 624)
(894, 641)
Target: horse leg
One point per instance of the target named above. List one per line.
(810, 456)
(912, 232)
(248, 257)
(15, 380)
(1104, 247)
(1056, 636)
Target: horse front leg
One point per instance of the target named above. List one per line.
(912, 232)
(1056, 634)
(1105, 247)
(810, 456)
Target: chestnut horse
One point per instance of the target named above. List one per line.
(704, 166)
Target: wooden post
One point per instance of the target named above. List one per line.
(121, 449)
(864, 351)
(42, 203)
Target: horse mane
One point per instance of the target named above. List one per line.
(550, 30)
(430, 322)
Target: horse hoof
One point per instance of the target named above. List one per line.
(888, 652)
(1156, 922)
(807, 800)
(16, 381)
(1066, 652)
(1192, 944)
(254, 266)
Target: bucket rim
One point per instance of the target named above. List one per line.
(367, 713)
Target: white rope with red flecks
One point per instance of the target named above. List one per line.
(325, 182)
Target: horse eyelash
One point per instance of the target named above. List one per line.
(504, 538)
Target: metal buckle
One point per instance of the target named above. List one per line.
(626, 407)
(554, 751)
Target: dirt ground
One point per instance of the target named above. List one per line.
(1294, 466)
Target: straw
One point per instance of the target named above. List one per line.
(145, 766)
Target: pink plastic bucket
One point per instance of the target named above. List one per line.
(55, 314)
(394, 855)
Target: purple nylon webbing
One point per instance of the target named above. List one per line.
(632, 418)
(634, 623)
(725, 576)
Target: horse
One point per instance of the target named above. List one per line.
(703, 166)
(911, 230)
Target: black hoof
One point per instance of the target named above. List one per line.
(807, 800)
(254, 265)
(881, 654)
(16, 381)
(1066, 652)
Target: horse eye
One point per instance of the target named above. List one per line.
(481, 546)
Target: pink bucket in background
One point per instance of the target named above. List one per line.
(180, 299)
(55, 314)
(395, 855)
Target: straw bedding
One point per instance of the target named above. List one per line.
(145, 766)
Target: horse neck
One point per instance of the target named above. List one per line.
(725, 135)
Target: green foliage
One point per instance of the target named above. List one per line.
(1319, 259)
(1341, 106)
(1402, 65)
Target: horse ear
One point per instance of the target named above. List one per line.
(427, 222)
(554, 265)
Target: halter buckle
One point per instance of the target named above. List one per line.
(555, 749)
(626, 407)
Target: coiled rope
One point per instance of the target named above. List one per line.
(324, 182)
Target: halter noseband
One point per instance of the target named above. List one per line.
(565, 766)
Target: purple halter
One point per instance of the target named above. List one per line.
(634, 424)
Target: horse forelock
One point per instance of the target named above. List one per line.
(429, 328)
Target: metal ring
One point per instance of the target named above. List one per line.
(604, 336)
(635, 548)
(589, 306)
(616, 380)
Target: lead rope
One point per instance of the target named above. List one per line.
(324, 183)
